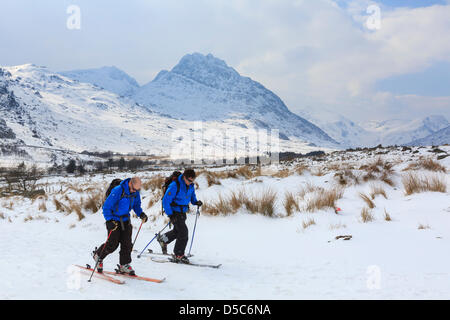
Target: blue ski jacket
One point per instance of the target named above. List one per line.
(173, 202)
(120, 202)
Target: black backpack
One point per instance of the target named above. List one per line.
(173, 177)
(112, 185)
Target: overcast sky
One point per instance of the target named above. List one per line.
(344, 56)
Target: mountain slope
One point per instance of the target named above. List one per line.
(43, 109)
(109, 78)
(437, 138)
(205, 88)
(340, 128)
(398, 132)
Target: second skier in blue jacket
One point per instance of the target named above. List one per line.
(176, 203)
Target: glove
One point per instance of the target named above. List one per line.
(143, 217)
(198, 203)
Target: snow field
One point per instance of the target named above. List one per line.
(262, 257)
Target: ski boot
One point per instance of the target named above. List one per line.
(125, 269)
(162, 243)
(181, 259)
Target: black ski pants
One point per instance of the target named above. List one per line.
(117, 236)
(179, 233)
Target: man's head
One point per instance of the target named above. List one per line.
(189, 176)
(135, 184)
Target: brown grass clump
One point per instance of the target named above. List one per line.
(220, 206)
(237, 199)
(377, 190)
(366, 216)
(379, 169)
(245, 172)
(387, 216)
(282, 173)
(154, 183)
(308, 223)
(423, 226)
(264, 203)
(347, 177)
(300, 168)
(415, 183)
(367, 200)
(290, 203)
(212, 178)
(323, 200)
(427, 164)
(60, 206)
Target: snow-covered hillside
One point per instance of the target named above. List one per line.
(205, 88)
(437, 138)
(109, 78)
(399, 132)
(340, 128)
(385, 242)
(373, 133)
(45, 109)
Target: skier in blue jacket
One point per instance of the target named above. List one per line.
(116, 210)
(176, 203)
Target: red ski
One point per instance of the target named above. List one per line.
(101, 275)
(134, 276)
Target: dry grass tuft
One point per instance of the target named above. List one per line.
(61, 207)
(263, 203)
(367, 200)
(94, 201)
(377, 190)
(416, 183)
(300, 168)
(366, 216)
(290, 203)
(154, 183)
(387, 216)
(427, 164)
(324, 199)
(423, 226)
(308, 223)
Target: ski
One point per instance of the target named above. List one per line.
(117, 273)
(214, 266)
(100, 275)
(150, 251)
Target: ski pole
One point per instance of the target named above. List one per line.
(156, 235)
(96, 263)
(132, 246)
(193, 232)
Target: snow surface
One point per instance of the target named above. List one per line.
(262, 257)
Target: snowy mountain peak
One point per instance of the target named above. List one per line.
(208, 70)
